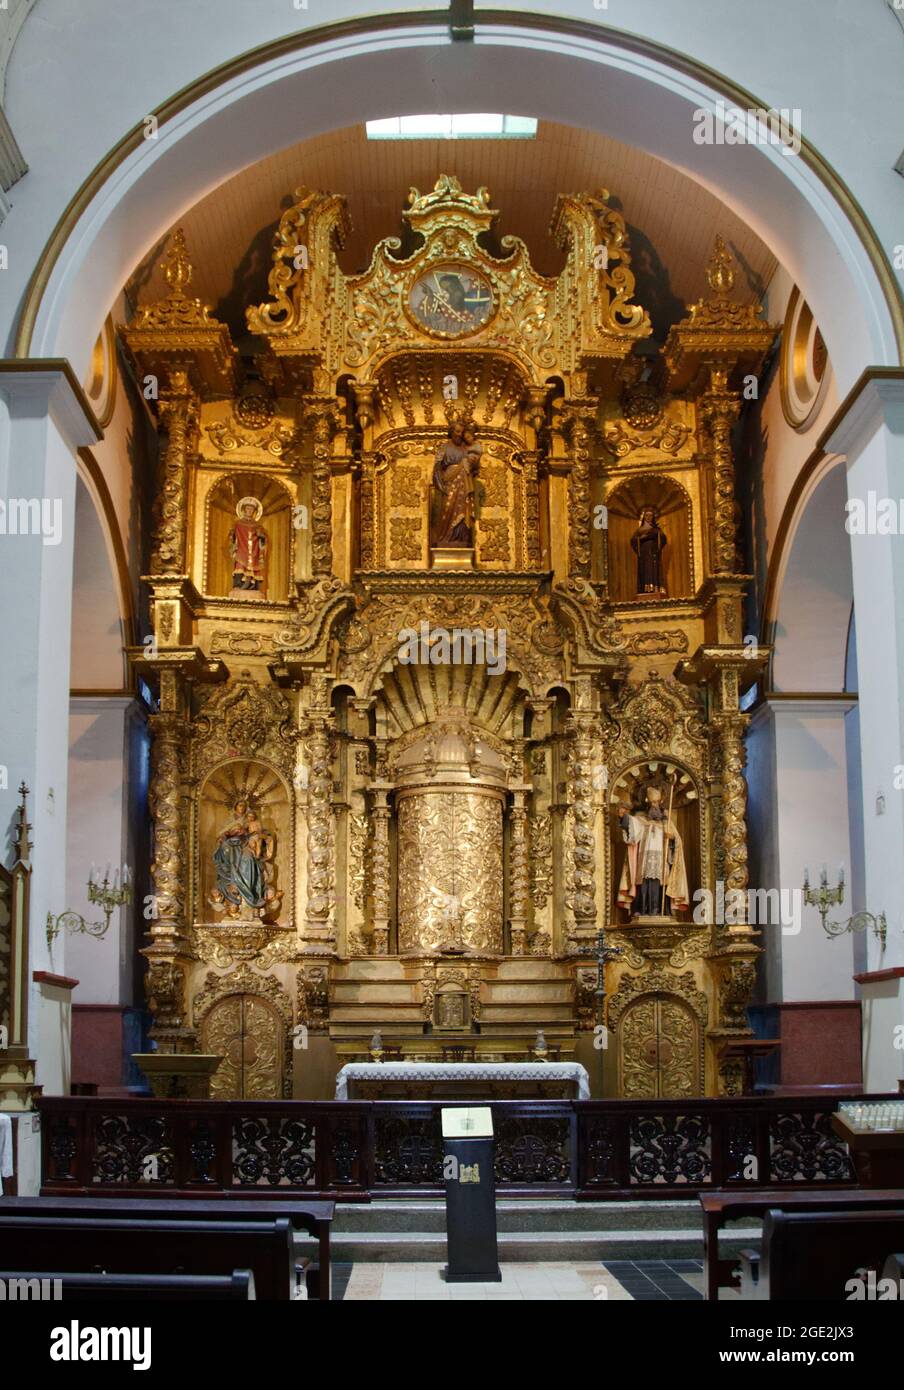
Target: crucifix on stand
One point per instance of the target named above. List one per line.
(604, 953)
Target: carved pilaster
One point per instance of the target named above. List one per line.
(367, 512)
(533, 549)
(179, 417)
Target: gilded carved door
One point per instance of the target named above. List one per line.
(659, 1049)
(249, 1035)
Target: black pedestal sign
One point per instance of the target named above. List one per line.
(470, 1195)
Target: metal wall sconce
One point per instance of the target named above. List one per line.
(825, 897)
(107, 895)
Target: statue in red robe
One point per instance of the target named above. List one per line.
(248, 547)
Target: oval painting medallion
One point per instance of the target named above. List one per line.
(451, 300)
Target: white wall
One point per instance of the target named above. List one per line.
(100, 830)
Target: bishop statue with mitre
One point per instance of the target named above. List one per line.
(653, 879)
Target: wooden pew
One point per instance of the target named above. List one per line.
(722, 1206)
(237, 1287)
(809, 1255)
(91, 1245)
(314, 1218)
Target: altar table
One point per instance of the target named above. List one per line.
(462, 1080)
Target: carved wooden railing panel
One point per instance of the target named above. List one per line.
(355, 1149)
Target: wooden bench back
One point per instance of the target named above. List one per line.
(812, 1255)
(86, 1246)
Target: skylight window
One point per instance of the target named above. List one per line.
(481, 126)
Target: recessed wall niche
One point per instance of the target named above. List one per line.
(272, 515)
(672, 506)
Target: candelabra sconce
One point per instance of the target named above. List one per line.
(825, 897)
(107, 894)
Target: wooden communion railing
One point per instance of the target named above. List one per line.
(356, 1150)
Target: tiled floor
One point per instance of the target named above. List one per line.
(590, 1281)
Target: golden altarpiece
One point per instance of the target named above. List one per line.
(351, 838)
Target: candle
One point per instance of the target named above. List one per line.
(824, 877)
(806, 877)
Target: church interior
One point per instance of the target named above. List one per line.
(478, 700)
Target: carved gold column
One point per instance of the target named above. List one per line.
(178, 413)
(319, 930)
(580, 414)
(530, 458)
(325, 417)
(581, 729)
(169, 946)
(519, 878)
(380, 868)
(719, 408)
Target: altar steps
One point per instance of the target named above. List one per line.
(410, 1232)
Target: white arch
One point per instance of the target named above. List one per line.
(602, 81)
(814, 588)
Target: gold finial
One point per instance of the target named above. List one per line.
(23, 844)
(720, 271)
(176, 266)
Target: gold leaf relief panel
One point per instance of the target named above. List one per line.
(222, 1035)
(478, 869)
(450, 871)
(263, 1051)
(638, 1051)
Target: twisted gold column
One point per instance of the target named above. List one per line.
(178, 416)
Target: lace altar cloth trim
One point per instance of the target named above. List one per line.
(464, 1071)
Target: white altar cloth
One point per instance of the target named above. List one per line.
(452, 1071)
